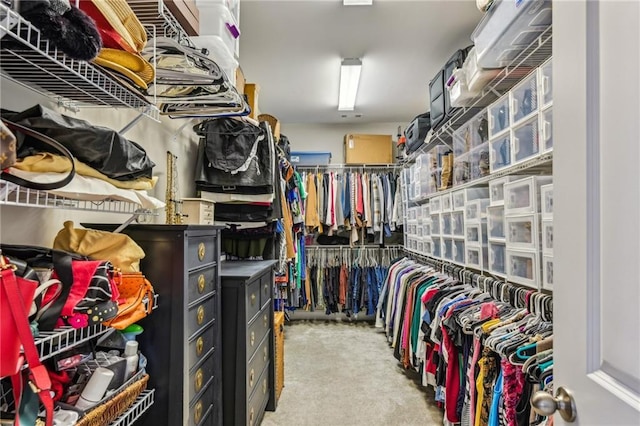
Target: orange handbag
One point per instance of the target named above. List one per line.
(134, 288)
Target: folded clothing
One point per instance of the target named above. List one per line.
(47, 162)
(240, 212)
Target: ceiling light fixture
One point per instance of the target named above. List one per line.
(349, 80)
(357, 2)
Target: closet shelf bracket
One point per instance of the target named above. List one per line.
(134, 217)
(135, 121)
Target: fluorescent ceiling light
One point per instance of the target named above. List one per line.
(357, 2)
(349, 79)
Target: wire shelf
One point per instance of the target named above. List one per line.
(142, 404)
(529, 59)
(52, 343)
(155, 13)
(30, 60)
(16, 195)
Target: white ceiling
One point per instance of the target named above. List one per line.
(293, 49)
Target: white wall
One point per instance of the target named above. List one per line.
(26, 225)
(330, 137)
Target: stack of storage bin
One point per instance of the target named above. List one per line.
(435, 209)
(471, 204)
(471, 150)
(547, 236)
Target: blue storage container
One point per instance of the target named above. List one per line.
(299, 158)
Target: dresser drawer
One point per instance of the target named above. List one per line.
(257, 363)
(199, 378)
(201, 345)
(253, 298)
(265, 288)
(201, 283)
(257, 330)
(201, 250)
(198, 411)
(200, 314)
(258, 401)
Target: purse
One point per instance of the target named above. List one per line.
(16, 295)
(134, 288)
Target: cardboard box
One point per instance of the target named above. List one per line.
(187, 14)
(240, 80)
(368, 149)
(252, 90)
(273, 122)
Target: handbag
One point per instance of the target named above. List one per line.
(134, 288)
(16, 295)
(21, 130)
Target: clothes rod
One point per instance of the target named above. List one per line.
(349, 166)
(368, 246)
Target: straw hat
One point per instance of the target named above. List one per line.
(119, 26)
(131, 65)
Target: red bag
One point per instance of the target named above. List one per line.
(16, 297)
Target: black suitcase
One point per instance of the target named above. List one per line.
(441, 109)
(417, 131)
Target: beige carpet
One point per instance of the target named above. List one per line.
(339, 373)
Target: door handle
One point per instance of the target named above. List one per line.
(545, 404)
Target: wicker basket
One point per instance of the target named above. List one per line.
(109, 411)
(278, 325)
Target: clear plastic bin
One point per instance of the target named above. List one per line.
(461, 169)
(476, 210)
(496, 189)
(457, 224)
(479, 161)
(426, 232)
(525, 141)
(497, 258)
(445, 220)
(220, 22)
(547, 237)
(435, 224)
(523, 196)
(435, 205)
(447, 249)
(546, 198)
(500, 152)
(436, 248)
(420, 246)
(428, 247)
(522, 231)
(545, 80)
(495, 223)
(463, 140)
(524, 99)
(524, 268)
(499, 117)
(477, 257)
(458, 252)
(458, 198)
(546, 129)
(476, 233)
(479, 129)
(547, 272)
(425, 210)
(447, 204)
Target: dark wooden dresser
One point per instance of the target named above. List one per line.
(181, 340)
(248, 377)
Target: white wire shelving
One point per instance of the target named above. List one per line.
(155, 13)
(30, 60)
(530, 58)
(142, 404)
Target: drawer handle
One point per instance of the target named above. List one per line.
(253, 299)
(264, 357)
(253, 338)
(199, 346)
(201, 283)
(201, 251)
(197, 412)
(200, 315)
(266, 320)
(264, 387)
(251, 377)
(199, 379)
(252, 414)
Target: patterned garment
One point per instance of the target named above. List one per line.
(513, 385)
(486, 379)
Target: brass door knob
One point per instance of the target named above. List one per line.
(199, 346)
(545, 404)
(197, 412)
(201, 283)
(200, 315)
(201, 251)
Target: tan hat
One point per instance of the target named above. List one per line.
(116, 16)
(131, 65)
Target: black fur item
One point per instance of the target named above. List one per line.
(75, 33)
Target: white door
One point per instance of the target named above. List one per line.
(597, 208)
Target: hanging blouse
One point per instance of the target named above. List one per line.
(311, 218)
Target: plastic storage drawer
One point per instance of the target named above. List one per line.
(447, 204)
(461, 140)
(547, 237)
(445, 227)
(447, 248)
(420, 247)
(545, 82)
(546, 130)
(508, 28)
(476, 257)
(525, 141)
(498, 258)
(457, 224)
(420, 230)
(476, 210)
(479, 161)
(522, 232)
(500, 152)
(499, 117)
(524, 99)
(428, 247)
(426, 228)
(547, 272)
(546, 198)
(436, 247)
(523, 196)
(310, 158)
(475, 234)
(479, 128)
(524, 267)
(435, 224)
(461, 196)
(496, 189)
(418, 213)
(458, 198)
(435, 205)
(425, 211)
(461, 169)
(495, 223)
(458, 252)
(413, 214)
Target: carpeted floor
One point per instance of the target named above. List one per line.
(339, 373)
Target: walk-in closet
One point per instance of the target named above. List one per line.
(319, 212)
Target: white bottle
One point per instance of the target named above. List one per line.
(95, 388)
(131, 355)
